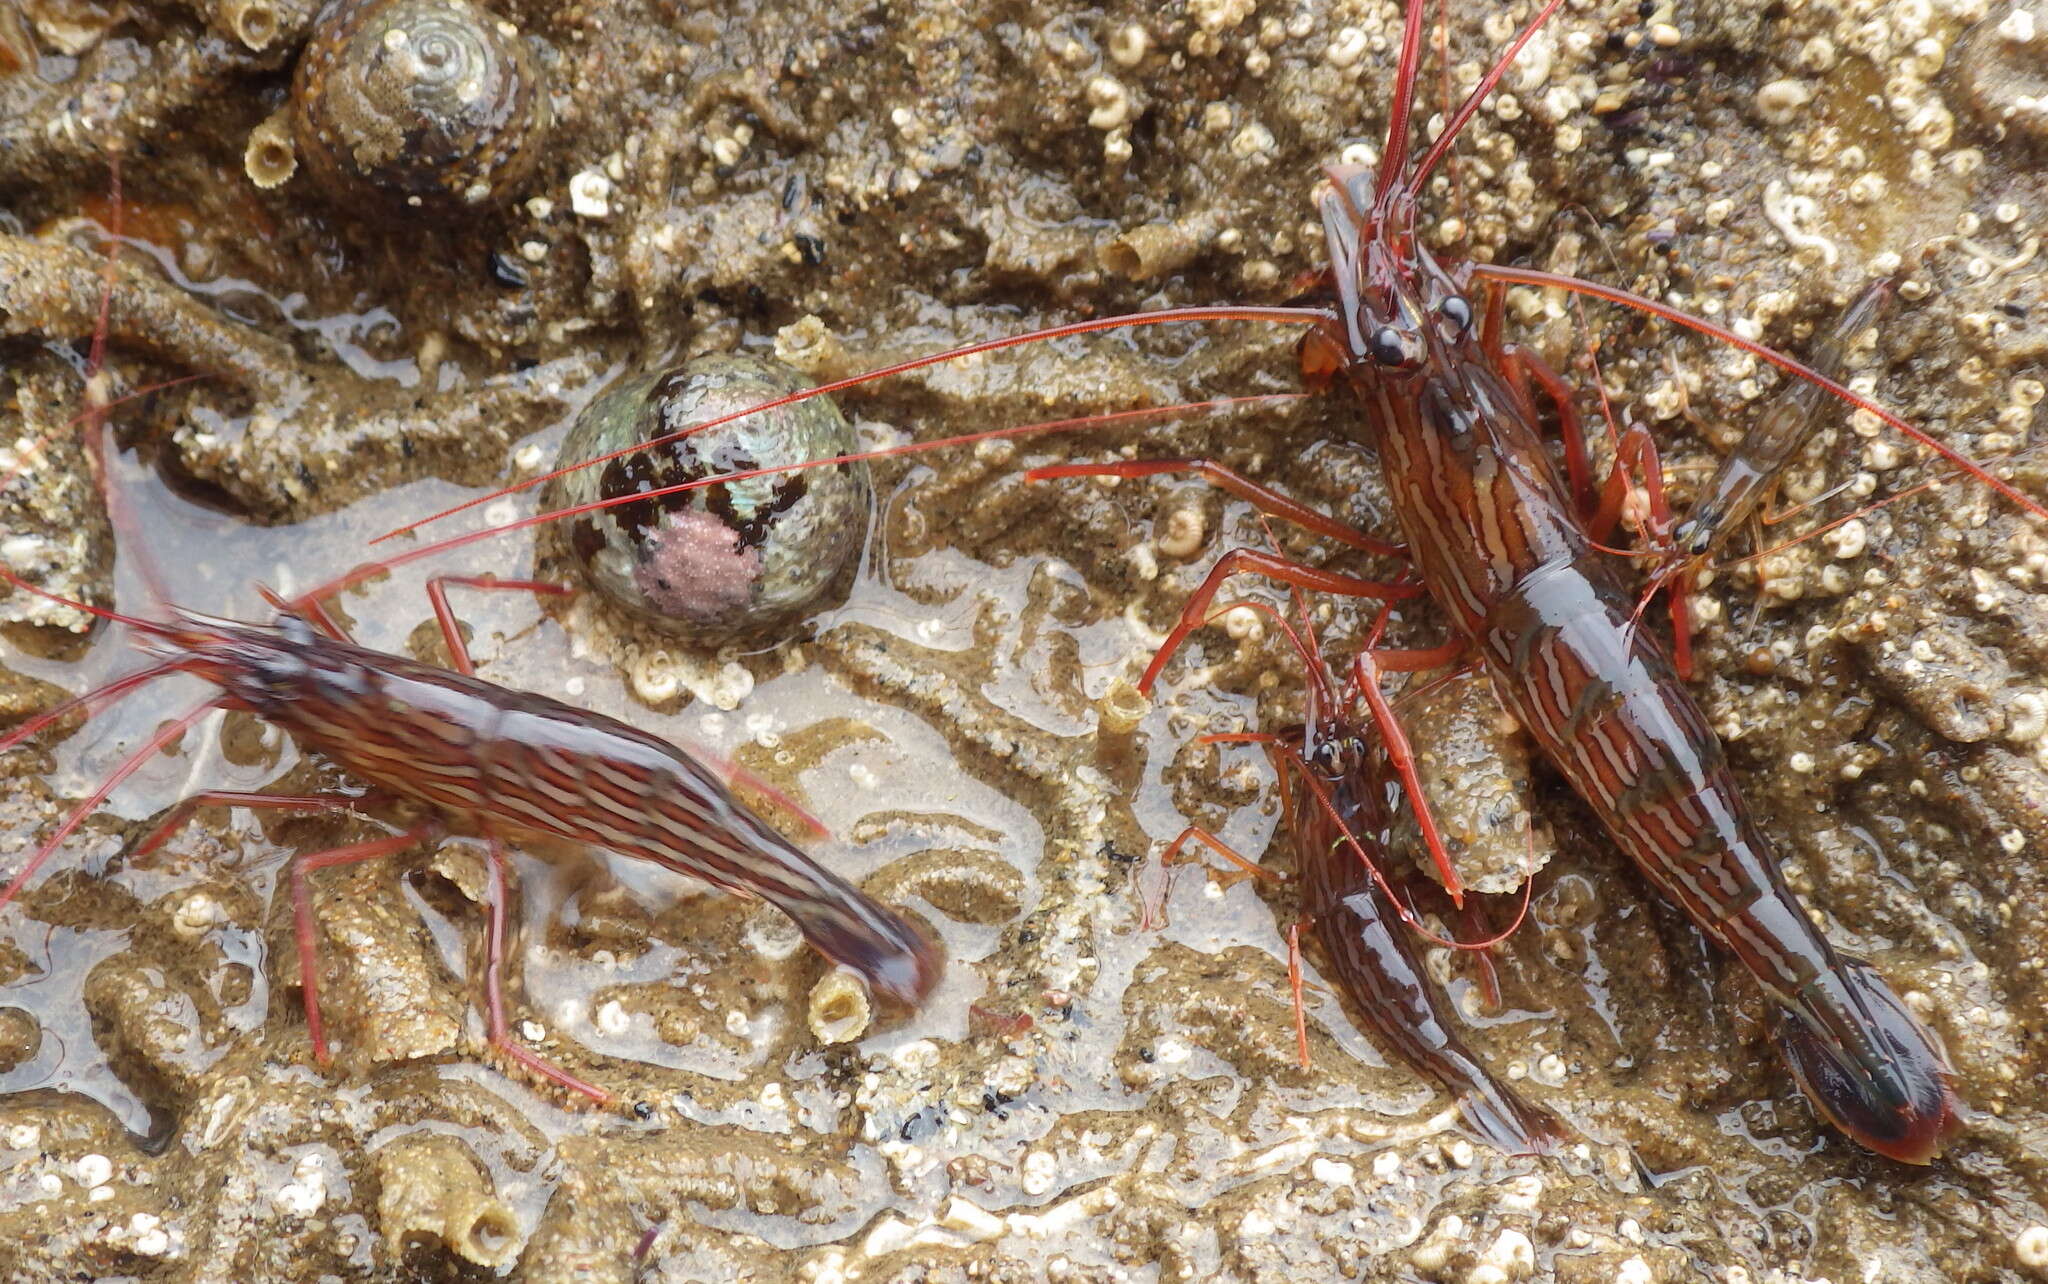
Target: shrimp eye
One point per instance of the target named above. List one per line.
(1336, 757)
(1693, 537)
(1393, 347)
(1457, 312)
(278, 673)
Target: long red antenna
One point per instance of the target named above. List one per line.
(370, 570)
(1282, 315)
(98, 696)
(101, 612)
(1613, 294)
(1456, 124)
(1395, 157)
(120, 516)
(129, 766)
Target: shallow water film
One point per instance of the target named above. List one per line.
(304, 353)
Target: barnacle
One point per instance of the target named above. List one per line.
(434, 1188)
(839, 1010)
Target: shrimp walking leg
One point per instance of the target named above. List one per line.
(1521, 367)
(1267, 500)
(500, 1033)
(498, 890)
(166, 735)
(182, 811)
(1195, 613)
(304, 928)
(307, 931)
(451, 628)
(1271, 565)
(1154, 911)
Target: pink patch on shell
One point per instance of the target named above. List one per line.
(695, 568)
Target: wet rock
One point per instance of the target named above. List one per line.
(2001, 72)
(797, 177)
(384, 989)
(1474, 765)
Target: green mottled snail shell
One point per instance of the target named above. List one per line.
(727, 562)
(433, 104)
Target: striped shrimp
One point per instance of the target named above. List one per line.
(1503, 546)
(1341, 793)
(480, 759)
(503, 765)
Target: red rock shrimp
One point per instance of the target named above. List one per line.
(1340, 810)
(504, 764)
(1508, 545)
(1738, 485)
(1746, 474)
(499, 764)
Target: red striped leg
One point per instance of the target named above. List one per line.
(1472, 921)
(451, 629)
(302, 916)
(1522, 367)
(1294, 987)
(1637, 453)
(1171, 858)
(1267, 500)
(1272, 566)
(497, 896)
(182, 811)
(313, 609)
(1388, 659)
(1366, 677)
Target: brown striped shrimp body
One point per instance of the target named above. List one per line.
(1493, 532)
(511, 763)
(486, 760)
(1340, 820)
(1341, 788)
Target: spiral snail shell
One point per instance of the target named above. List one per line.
(723, 562)
(435, 104)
